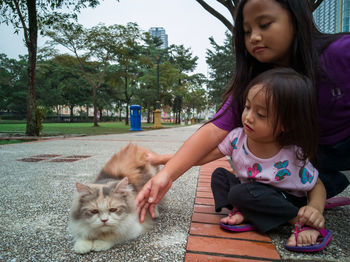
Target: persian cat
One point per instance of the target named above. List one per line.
(104, 213)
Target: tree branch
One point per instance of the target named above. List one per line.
(229, 5)
(215, 13)
(21, 18)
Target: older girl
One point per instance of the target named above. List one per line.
(276, 33)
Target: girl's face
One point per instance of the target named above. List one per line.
(268, 31)
(257, 124)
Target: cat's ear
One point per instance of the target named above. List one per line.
(122, 185)
(82, 188)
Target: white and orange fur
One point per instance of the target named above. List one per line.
(104, 213)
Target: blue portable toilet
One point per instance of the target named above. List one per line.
(135, 118)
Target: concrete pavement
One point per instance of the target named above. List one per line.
(37, 181)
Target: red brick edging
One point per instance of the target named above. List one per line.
(208, 242)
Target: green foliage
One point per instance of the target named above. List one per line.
(13, 84)
(48, 12)
(221, 61)
(31, 16)
(111, 67)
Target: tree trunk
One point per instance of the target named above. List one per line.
(100, 112)
(127, 114)
(148, 114)
(127, 101)
(31, 128)
(71, 114)
(95, 105)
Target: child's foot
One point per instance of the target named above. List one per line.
(233, 219)
(307, 237)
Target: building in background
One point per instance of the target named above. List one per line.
(343, 19)
(333, 16)
(160, 33)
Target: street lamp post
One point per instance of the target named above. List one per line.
(157, 112)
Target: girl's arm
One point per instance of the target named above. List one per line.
(202, 142)
(211, 156)
(156, 159)
(311, 214)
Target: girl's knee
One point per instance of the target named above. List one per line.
(237, 194)
(219, 178)
(218, 174)
(219, 171)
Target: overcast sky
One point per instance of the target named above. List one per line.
(185, 22)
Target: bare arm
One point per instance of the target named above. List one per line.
(211, 156)
(317, 196)
(194, 150)
(312, 213)
(202, 142)
(156, 159)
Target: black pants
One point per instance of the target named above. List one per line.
(331, 159)
(264, 206)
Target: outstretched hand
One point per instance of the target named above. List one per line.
(311, 216)
(151, 193)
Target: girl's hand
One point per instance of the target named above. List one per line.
(311, 216)
(151, 193)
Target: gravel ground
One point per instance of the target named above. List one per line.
(337, 220)
(35, 199)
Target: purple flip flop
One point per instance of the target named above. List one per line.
(322, 241)
(337, 202)
(237, 228)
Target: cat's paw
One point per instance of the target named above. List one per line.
(82, 246)
(100, 245)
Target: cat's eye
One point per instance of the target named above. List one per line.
(112, 210)
(94, 211)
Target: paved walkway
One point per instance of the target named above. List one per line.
(37, 183)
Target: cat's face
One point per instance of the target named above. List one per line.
(103, 206)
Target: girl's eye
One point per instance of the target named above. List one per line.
(246, 107)
(264, 26)
(94, 211)
(261, 115)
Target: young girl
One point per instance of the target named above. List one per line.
(270, 156)
(276, 33)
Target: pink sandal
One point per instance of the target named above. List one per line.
(322, 241)
(239, 227)
(337, 202)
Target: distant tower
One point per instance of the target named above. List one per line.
(343, 17)
(326, 16)
(333, 16)
(160, 33)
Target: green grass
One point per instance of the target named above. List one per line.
(53, 129)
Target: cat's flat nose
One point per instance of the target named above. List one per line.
(104, 220)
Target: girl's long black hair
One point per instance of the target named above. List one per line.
(291, 103)
(307, 46)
